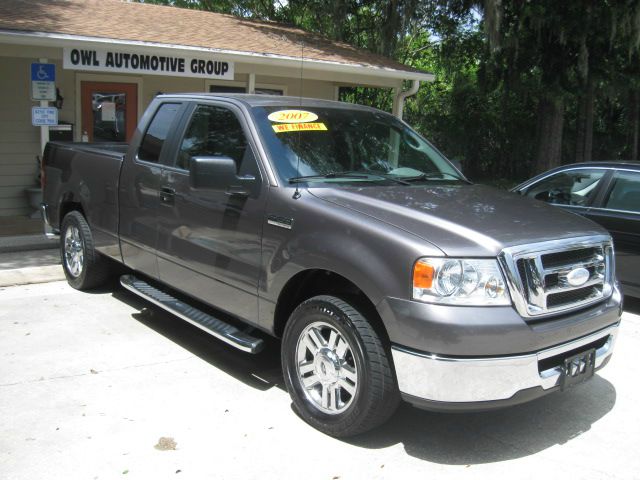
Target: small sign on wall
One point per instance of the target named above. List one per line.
(108, 110)
(43, 116)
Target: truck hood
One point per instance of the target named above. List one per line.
(462, 220)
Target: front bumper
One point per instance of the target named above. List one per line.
(445, 383)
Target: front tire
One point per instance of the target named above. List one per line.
(336, 368)
(83, 266)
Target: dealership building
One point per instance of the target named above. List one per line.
(86, 70)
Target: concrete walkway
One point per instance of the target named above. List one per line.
(26, 255)
(31, 266)
(24, 243)
(21, 234)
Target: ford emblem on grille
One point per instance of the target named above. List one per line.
(578, 276)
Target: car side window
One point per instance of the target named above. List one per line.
(624, 193)
(156, 134)
(573, 187)
(213, 132)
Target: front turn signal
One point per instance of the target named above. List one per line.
(423, 274)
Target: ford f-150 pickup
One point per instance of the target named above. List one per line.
(337, 228)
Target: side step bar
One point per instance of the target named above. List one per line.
(219, 329)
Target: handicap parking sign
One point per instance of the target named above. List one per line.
(43, 72)
(43, 81)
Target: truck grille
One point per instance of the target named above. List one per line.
(561, 275)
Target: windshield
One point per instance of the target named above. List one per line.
(348, 145)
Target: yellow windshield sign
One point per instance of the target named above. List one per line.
(298, 127)
(292, 116)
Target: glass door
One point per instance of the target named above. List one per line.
(109, 111)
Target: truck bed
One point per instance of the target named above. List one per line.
(108, 148)
(87, 174)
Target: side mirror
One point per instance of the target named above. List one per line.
(214, 173)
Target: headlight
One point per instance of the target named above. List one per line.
(457, 281)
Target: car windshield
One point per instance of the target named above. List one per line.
(339, 145)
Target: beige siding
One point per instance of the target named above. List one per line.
(19, 140)
(153, 84)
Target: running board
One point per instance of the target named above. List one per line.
(219, 329)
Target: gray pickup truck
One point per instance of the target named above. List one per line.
(385, 272)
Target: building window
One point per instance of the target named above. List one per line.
(232, 89)
(268, 91)
(226, 89)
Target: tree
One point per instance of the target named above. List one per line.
(566, 45)
(521, 86)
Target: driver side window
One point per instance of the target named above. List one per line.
(575, 187)
(213, 132)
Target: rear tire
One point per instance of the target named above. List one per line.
(336, 368)
(83, 266)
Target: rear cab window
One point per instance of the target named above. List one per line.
(157, 132)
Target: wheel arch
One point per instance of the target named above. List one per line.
(69, 203)
(313, 282)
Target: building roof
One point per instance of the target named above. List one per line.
(163, 25)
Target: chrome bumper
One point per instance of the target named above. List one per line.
(49, 232)
(445, 379)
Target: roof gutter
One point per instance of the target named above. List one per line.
(47, 39)
(401, 96)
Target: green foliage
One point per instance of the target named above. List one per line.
(496, 63)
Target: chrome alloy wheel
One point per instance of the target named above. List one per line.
(326, 368)
(73, 251)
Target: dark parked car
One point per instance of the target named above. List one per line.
(607, 193)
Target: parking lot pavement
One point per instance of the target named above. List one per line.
(91, 382)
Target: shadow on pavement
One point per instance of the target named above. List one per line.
(632, 305)
(486, 437)
(261, 371)
(451, 438)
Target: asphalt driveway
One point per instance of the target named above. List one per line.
(104, 385)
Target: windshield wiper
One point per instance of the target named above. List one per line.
(347, 175)
(429, 176)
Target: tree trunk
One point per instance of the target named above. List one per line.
(388, 29)
(580, 127)
(588, 120)
(339, 15)
(634, 123)
(549, 133)
(584, 123)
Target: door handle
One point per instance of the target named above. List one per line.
(240, 190)
(167, 195)
(237, 192)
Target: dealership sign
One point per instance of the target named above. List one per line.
(102, 60)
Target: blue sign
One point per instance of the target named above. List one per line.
(43, 72)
